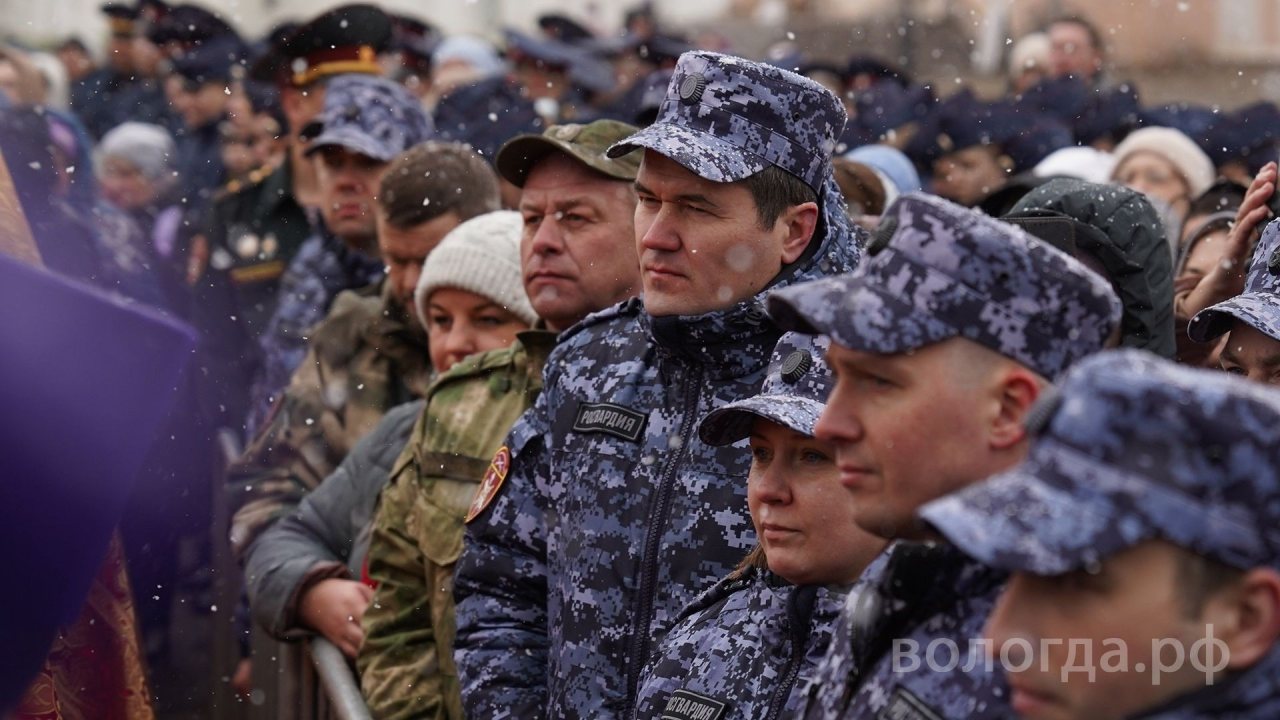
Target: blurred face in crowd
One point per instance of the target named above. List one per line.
(802, 514)
(249, 142)
(461, 323)
(700, 243)
(1139, 597)
(146, 57)
(1251, 354)
(967, 176)
(1072, 51)
(912, 427)
(405, 249)
(577, 251)
(349, 185)
(124, 185)
(76, 61)
(205, 103)
(1156, 177)
(175, 92)
(301, 105)
(9, 79)
(120, 53)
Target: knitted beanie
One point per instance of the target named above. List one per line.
(482, 256)
(147, 147)
(1191, 162)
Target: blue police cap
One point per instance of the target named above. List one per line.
(212, 60)
(725, 118)
(793, 395)
(369, 115)
(935, 270)
(1258, 306)
(1131, 448)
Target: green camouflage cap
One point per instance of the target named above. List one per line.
(585, 143)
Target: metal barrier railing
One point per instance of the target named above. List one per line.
(309, 680)
(338, 681)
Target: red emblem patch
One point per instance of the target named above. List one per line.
(491, 483)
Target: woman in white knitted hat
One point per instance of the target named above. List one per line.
(470, 294)
(1166, 166)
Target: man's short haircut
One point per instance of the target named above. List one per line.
(775, 190)
(1199, 578)
(1095, 37)
(433, 178)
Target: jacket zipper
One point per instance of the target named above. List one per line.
(800, 628)
(658, 520)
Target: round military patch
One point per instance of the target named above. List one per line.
(1273, 262)
(491, 483)
(795, 366)
(691, 88)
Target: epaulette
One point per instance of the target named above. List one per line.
(476, 365)
(235, 186)
(629, 308)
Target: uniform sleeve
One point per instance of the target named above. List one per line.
(400, 673)
(292, 454)
(501, 586)
(315, 541)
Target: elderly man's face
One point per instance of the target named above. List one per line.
(577, 252)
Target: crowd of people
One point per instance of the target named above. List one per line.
(622, 377)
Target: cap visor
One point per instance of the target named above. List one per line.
(516, 158)
(857, 314)
(705, 155)
(1260, 311)
(731, 423)
(1049, 516)
(349, 139)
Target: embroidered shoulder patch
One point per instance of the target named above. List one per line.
(492, 482)
(610, 419)
(689, 705)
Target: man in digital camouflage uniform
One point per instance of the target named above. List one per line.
(370, 353)
(365, 123)
(1141, 534)
(607, 514)
(941, 343)
(1250, 320)
(577, 257)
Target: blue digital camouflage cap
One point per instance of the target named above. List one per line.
(1258, 306)
(1131, 448)
(793, 395)
(725, 119)
(935, 270)
(369, 115)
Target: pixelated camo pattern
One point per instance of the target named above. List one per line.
(753, 641)
(949, 271)
(372, 115)
(596, 542)
(726, 118)
(1258, 305)
(918, 594)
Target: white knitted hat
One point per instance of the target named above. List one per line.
(1194, 165)
(482, 255)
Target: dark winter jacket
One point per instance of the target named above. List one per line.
(1136, 254)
